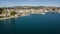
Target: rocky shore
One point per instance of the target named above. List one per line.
(13, 12)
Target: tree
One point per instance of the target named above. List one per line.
(1, 16)
(53, 9)
(13, 13)
(1, 10)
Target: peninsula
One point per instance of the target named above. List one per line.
(13, 12)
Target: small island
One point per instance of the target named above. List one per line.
(13, 12)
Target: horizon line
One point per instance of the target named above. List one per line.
(27, 5)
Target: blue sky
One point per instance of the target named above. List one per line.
(7, 3)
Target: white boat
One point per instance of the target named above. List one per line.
(43, 13)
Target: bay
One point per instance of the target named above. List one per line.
(48, 23)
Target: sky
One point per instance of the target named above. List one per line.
(9, 3)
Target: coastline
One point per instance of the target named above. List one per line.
(20, 16)
(16, 16)
(9, 17)
(6, 13)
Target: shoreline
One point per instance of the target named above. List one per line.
(9, 17)
(16, 16)
(18, 11)
(12, 17)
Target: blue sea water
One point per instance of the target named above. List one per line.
(48, 23)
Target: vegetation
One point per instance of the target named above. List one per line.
(13, 13)
(1, 16)
(53, 9)
(1, 10)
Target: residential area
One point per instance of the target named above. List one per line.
(26, 10)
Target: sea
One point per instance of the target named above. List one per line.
(48, 23)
